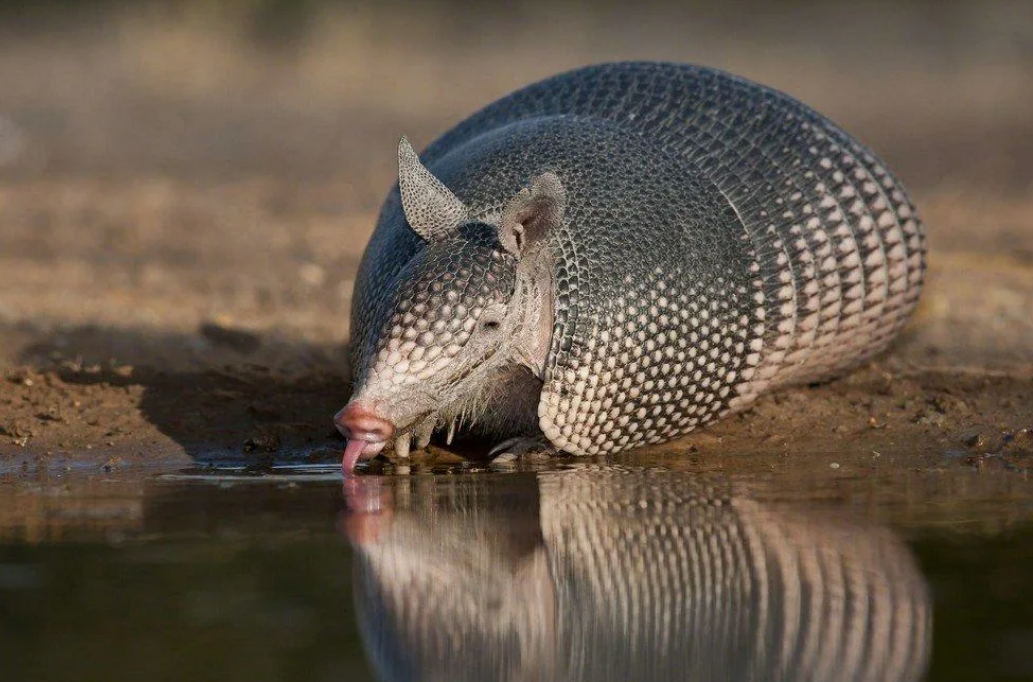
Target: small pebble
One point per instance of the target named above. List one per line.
(834, 465)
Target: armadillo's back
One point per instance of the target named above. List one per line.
(839, 249)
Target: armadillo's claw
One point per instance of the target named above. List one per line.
(402, 444)
(423, 433)
(509, 451)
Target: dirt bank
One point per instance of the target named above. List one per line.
(178, 247)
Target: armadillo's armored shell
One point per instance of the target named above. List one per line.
(817, 270)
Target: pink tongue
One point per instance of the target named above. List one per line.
(351, 455)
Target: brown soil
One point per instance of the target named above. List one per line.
(178, 245)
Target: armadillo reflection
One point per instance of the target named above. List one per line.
(618, 255)
(615, 575)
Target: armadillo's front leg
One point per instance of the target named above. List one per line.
(522, 448)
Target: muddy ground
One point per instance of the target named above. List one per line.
(183, 206)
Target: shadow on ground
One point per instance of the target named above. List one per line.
(227, 396)
(218, 396)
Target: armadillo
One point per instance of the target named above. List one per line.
(631, 575)
(618, 255)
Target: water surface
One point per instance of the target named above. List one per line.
(575, 572)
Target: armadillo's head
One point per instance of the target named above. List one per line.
(466, 308)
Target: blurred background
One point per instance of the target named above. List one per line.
(189, 185)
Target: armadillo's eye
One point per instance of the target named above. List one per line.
(491, 320)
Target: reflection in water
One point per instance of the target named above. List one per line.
(606, 574)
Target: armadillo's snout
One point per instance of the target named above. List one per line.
(366, 431)
(359, 422)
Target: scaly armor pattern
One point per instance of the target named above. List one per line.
(721, 240)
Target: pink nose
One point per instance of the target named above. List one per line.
(359, 422)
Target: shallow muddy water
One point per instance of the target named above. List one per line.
(569, 572)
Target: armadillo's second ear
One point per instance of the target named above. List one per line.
(533, 214)
(430, 207)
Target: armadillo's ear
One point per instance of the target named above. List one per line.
(533, 214)
(430, 207)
